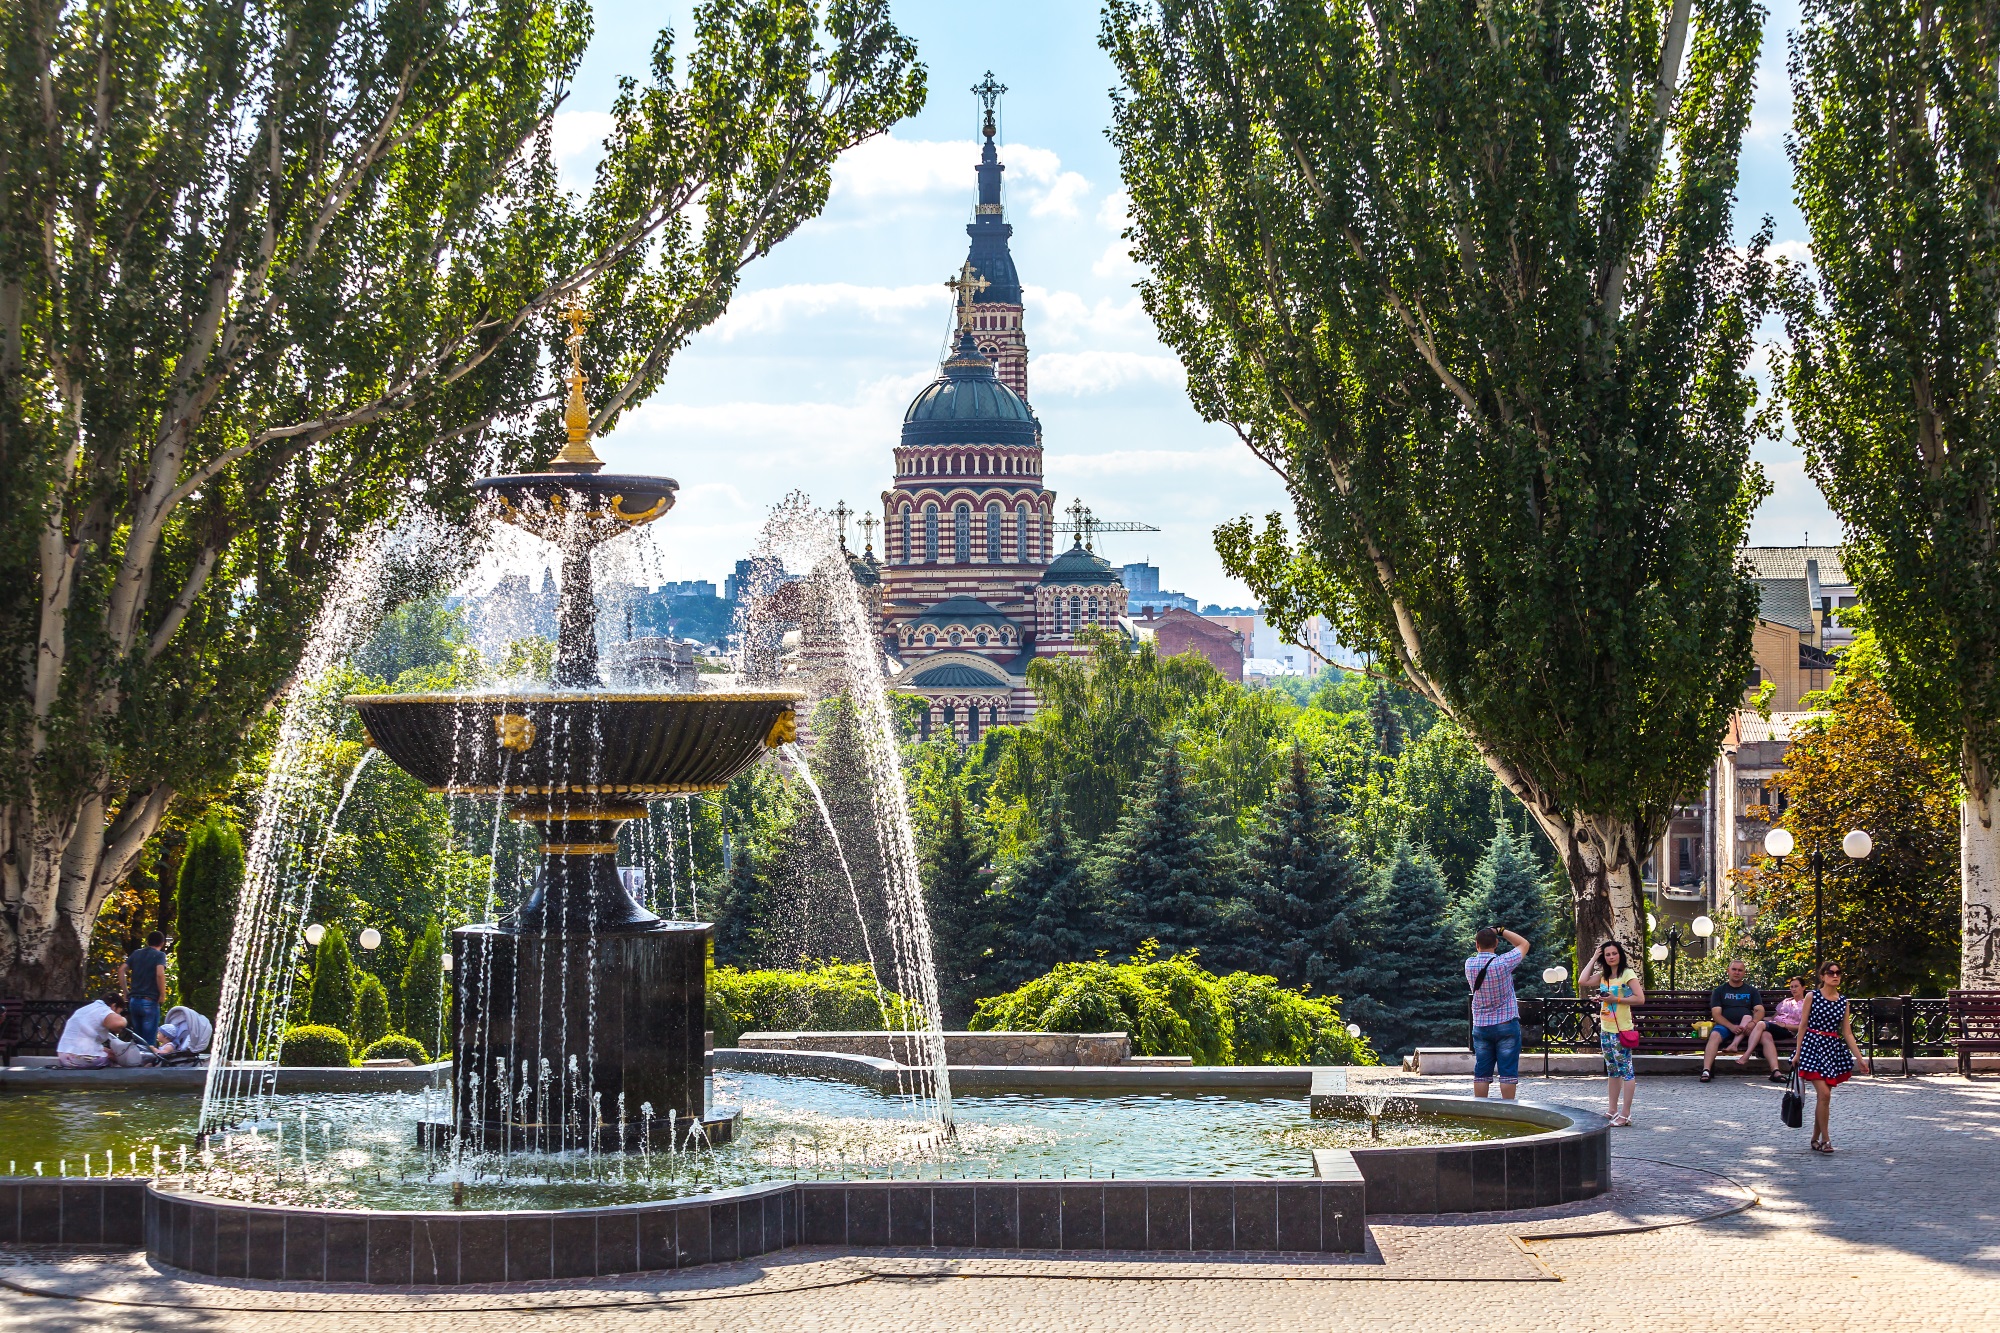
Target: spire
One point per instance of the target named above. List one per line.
(989, 228)
(577, 455)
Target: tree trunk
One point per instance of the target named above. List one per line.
(1602, 858)
(59, 870)
(1979, 880)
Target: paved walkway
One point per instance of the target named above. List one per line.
(1900, 1229)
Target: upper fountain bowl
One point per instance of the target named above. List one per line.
(553, 504)
(582, 747)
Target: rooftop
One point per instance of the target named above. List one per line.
(1789, 562)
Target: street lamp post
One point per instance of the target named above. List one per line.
(1857, 844)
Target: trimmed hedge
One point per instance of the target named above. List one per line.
(396, 1046)
(315, 1046)
(1170, 1006)
(371, 1010)
(830, 997)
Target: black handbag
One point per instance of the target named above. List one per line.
(1792, 1110)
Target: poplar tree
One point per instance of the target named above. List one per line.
(1892, 382)
(1465, 277)
(1306, 895)
(1159, 872)
(274, 275)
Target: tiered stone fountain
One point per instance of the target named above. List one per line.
(579, 1019)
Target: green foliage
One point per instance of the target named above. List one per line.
(426, 1002)
(206, 893)
(739, 911)
(1409, 990)
(330, 1002)
(1307, 895)
(1468, 281)
(1170, 1006)
(371, 1011)
(315, 1046)
(1160, 874)
(825, 997)
(955, 875)
(397, 1046)
(1891, 377)
(1892, 920)
(1043, 911)
(419, 645)
(270, 267)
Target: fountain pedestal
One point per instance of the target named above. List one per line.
(577, 1033)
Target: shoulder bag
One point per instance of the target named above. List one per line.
(1792, 1109)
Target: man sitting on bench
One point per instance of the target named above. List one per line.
(1738, 1010)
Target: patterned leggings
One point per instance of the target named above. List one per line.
(1617, 1057)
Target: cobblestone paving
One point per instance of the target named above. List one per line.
(1900, 1229)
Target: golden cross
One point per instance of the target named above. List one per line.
(965, 290)
(841, 513)
(868, 525)
(1078, 518)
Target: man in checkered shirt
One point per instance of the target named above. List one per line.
(1496, 1014)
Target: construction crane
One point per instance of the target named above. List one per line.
(1087, 525)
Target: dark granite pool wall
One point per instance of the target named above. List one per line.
(1570, 1160)
(223, 1238)
(36, 1211)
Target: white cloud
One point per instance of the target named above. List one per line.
(1081, 373)
(577, 140)
(750, 437)
(1060, 318)
(1799, 252)
(1061, 197)
(775, 309)
(1116, 210)
(1126, 463)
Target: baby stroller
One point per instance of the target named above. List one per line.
(190, 1034)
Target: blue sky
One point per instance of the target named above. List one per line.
(804, 382)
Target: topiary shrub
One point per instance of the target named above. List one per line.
(829, 997)
(211, 881)
(371, 1011)
(315, 1046)
(1170, 1006)
(426, 998)
(331, 999)
(396, 1046)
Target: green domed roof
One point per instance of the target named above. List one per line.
(967, 404)
(956, 675)
(961, 610)
(1077, 565)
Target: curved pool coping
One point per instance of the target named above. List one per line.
(1325, 1213)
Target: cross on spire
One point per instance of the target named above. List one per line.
(1079, 521)
(965, 289)
(868, 525)
(988, 92)
(841, 513)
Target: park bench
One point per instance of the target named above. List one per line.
(1975, 1025)
(32, 1027)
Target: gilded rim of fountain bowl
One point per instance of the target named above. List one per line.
(583, 696)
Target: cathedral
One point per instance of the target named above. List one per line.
(969, 583)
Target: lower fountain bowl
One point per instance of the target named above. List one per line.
(585, 746)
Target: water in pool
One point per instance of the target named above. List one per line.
(360, 1150)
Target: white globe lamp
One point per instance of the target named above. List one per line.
(1778, 842)
(315, 933)
(446, 961)
(1704, 926)
(1659, 953)
(1857, 844)
(1555, 976)
(371, 938)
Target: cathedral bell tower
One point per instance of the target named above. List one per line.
(995, 317)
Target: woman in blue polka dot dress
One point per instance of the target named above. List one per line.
(1828, 1054)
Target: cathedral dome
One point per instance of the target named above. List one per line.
(1078, 566)
(967, 404)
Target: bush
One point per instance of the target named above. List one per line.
(396, 1046)
(371, 1011)
(315, 1046)
(211, 881)
(1170, 1006)
(331, 999)
(425, 1003)
(828, 997)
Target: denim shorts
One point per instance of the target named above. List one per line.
(1617, 1056)
(1498, 1045)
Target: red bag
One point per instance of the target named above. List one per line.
(1629, 1038)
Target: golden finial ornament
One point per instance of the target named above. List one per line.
(965, 288)
(577, 455)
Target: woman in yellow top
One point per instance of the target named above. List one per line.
(1618, 990)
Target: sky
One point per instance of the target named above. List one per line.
(802, 384)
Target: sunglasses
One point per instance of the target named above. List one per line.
(1831, 972)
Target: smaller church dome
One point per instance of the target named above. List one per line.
(963, 610)
(967, 404)
(1078, 566)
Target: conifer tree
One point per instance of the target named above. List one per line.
(210, 882)
(1159, 872)
(332, 1002)
(370, 1022)
(1306, 896)
(424, 1000)
(1382, 718)
(739, 913)
(1507, 890)
(954, 881)
(1409, 990)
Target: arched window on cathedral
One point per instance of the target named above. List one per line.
(961, 532)
(994, 552)
(930, 534)
(1021, 547)
(1076, 613)
(907, 551)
